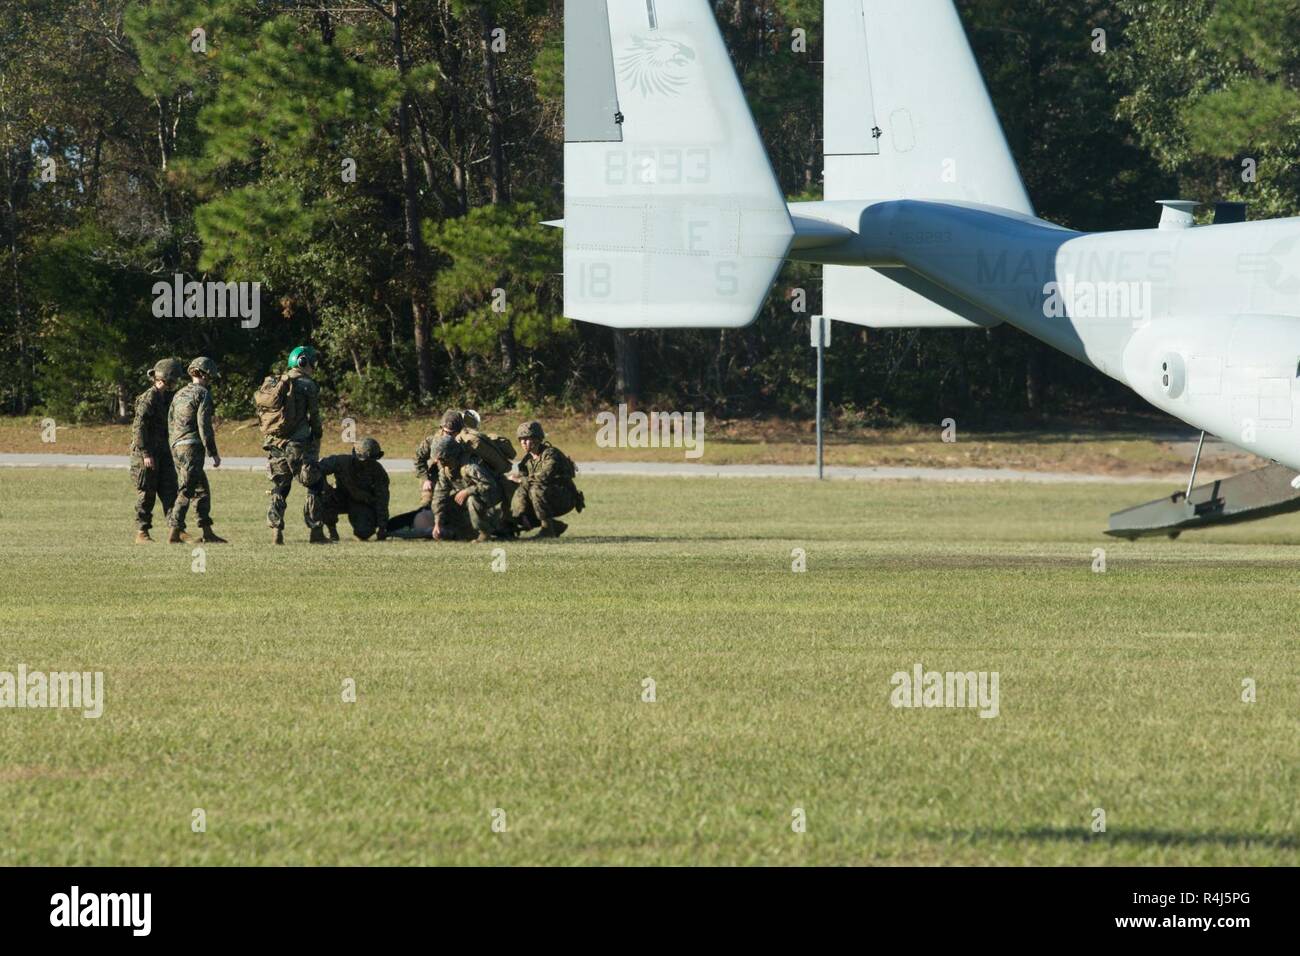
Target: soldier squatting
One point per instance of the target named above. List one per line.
(471, 488)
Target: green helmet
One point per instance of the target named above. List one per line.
(446, 448)
(368, 450)
(168, 370)
(205, 365)
(303, 353)
(452, 420)
(530, 430)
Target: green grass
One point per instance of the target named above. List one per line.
(521, 690)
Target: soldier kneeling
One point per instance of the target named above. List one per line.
(466, 497)
(546, 489)
(360, 491)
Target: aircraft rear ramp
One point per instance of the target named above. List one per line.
(1261, 493)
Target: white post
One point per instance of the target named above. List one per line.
(821, 327)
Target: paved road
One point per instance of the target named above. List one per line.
(665, 469)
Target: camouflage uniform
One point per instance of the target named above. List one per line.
(360, 491)
(190, 434)
(546, 489)
(296, 456)
(149, 438)
(481, 512)
(424, 469)
(451, 424)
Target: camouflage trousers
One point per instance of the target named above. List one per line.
(192, 486)
(460, 522)
(295, 460)
(363, 517)
(538, 503)
(153, 484)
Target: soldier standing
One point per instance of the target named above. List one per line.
(152, 471)
(294, 451)
(466, 497)
(360, 491)
(190, 435)
(546, 489)
(450, 425)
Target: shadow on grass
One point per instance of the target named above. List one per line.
(1146, 837)
(663, 539)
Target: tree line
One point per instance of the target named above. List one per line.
(381, 168)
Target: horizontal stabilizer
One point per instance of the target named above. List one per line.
(893, 298)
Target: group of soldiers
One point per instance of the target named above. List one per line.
(471, 489)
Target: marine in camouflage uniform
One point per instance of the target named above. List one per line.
(153, 474)
(450, 425)
(190, 435)
(360, 491)
(546, 489)
(297, 456)
(466, 497)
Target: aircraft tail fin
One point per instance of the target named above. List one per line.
(907, 116)
(672, 214)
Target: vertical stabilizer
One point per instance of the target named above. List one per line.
(672, 214)
(907, 116)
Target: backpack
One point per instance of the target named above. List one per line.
(273, 403)
(567, 468)
(495, 451)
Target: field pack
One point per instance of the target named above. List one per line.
(274, 404)
(495, 451)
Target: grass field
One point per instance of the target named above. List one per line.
(521, 690)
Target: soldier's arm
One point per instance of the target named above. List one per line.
(329, 465)
(205, 425)
(422, 454)
(137, 426)
(442, 493)
(483, 481)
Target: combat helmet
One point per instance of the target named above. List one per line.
(531, 430)
(167, 370)
(445, 448)
(368, 450)
(205, 365)
(452, 420)
(303, 353)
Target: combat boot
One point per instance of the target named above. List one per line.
(552, 528)
(483, 538)
(142, 537)
(318, 536)
(210, 537)
(334, 531)
(277, 536)
(176, 536)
